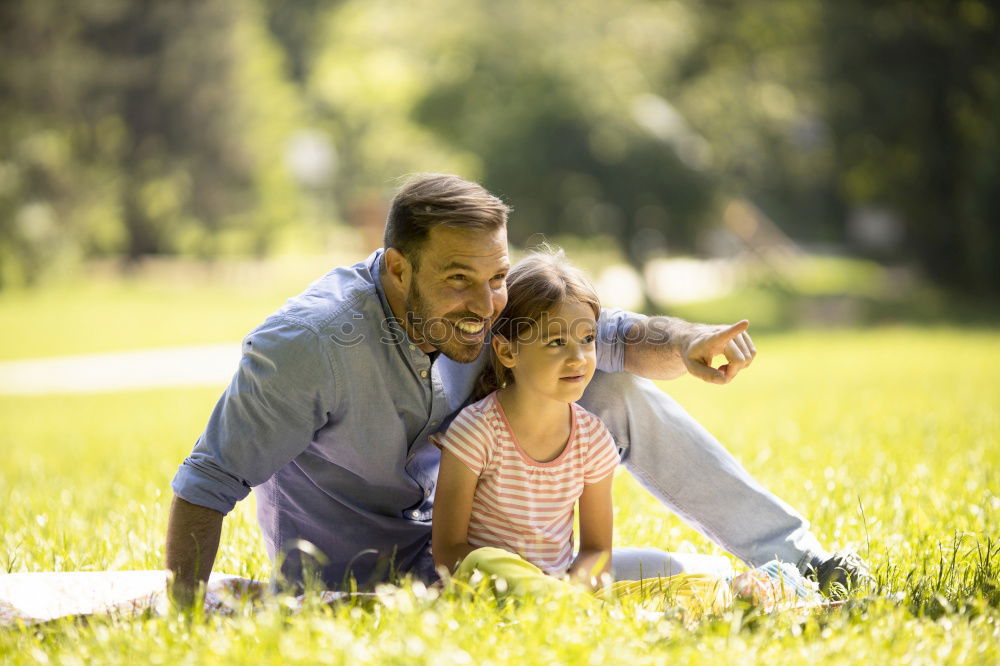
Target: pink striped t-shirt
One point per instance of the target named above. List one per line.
(522, 505)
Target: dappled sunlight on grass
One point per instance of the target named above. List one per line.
(879, 437)
(86, 481)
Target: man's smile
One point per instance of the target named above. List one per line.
(468, 331)
(471, 328)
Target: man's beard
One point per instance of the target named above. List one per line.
(440, 331)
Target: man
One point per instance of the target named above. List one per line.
(329, 413)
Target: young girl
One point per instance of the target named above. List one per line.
(515, 464)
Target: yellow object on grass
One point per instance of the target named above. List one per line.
(694, 593)
(512, 575)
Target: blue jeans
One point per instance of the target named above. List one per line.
(693, 475)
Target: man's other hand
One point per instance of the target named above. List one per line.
(733, 342)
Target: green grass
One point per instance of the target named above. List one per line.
(886, 439)
(823, 292)
(165, 304)
(174, 301)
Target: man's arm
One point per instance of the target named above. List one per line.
(667, 347)
(192, 542)
(278, 398)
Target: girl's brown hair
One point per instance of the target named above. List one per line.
(536, 284)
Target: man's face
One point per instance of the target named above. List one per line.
(458, 290)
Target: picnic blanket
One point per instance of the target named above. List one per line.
(30, 598)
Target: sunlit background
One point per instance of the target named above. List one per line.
(171, 172)
(830, 162)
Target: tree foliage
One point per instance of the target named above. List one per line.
(130, 128)
(134, 128)
(913, 101)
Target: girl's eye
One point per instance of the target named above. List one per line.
(589, 339)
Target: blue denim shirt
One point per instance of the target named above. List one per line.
(327, 418)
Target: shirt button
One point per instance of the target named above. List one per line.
(415, 514)
(413, 347)
(434, 423)
(423, 373)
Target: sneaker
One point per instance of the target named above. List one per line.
(776, 586)
(841, 571)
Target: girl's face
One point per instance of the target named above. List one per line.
(556, 358)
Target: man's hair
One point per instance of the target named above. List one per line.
(538, 283)
(439, 200)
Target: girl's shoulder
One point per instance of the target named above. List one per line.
(593, 437)
(484, 408)
(483, 404)
(596, 447)
(589, 427)
(483, 414)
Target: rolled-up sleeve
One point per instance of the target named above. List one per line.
(281, 394)
(612, 328)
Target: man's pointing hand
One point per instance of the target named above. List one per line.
(731, 341)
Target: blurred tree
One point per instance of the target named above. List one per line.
(749, 83)
(567, 127)
(914, 105)
(297, 27)
(552, 108)
(138, 128)
(129, 127)
(368, 76)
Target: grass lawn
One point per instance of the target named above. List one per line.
(166, 304)
(886, 439)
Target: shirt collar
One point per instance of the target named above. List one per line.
(375, 265)
(375, 268)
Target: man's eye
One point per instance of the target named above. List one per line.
(556, 342)
(457, 278)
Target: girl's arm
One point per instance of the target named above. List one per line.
(596, 528)
(456, 485)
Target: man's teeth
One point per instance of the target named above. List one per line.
(470, 328)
